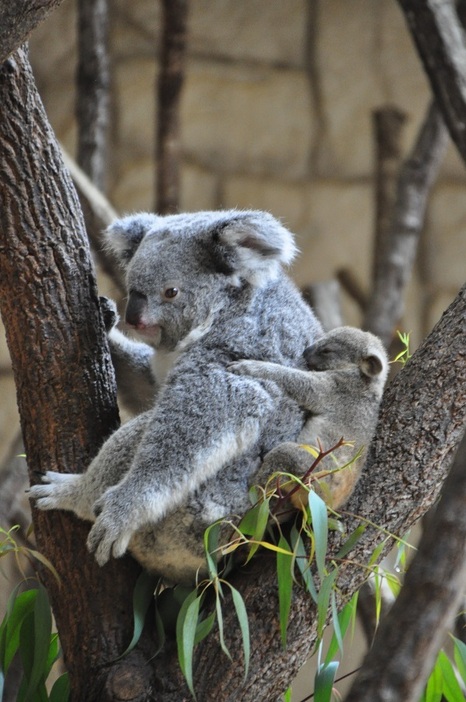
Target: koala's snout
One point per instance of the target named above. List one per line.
(136, 310)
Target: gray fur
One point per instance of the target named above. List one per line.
(341, 393)
(204, 289)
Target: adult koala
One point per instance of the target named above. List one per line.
(204, 290)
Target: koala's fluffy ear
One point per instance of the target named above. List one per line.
(124, 235)
(371, 365)
(253, 245)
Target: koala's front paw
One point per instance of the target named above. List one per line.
(57, 491)
(111, 532)
(109, 312)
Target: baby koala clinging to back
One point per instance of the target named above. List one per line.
(341, 392)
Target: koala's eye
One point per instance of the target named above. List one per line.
(170, 293)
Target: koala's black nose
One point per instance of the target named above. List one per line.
(136, 308)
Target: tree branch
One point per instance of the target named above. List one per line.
(98, 214)
(387, 123)
(64, 379)
(439, 39)
(415, 180)
(92, 99)
(19, 18)
(170, 84)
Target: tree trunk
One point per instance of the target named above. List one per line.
(19, 18)
(170, 84)
(62, 367)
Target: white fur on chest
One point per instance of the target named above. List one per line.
(163, 361)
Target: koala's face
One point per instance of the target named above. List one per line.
(172, 291)
(182, 269)
(348, 347)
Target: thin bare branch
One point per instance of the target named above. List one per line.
(324, 298)
(92, 97)
(417, 175)
(438, 35)
(98, 214)
(170, 84)
(387, 127)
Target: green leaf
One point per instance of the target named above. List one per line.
(336, 622)
(323, 600)
(18, 606)
(143, 595)
(60, 691)
(301, 558)
(211, 535)
(35, 643)
(347, 614)
(351, 541)
(433, 692)
(285, 586)
(319, 517)
(218, 608)
(287, 695)
(451, 688)
(254, 524)
(204, 627)
(53, 653)
(242, 615)
(324, 680)
(186, 626)
(460, 657)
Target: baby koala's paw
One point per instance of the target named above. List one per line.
(257, 369)
(56, 491)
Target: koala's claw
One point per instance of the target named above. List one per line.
(105, 540)
(110, 534)
(109, 312)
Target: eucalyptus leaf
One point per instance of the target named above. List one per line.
(186, 626)
(324, 681)
(285, 585)
(319, 517)
(143, 595)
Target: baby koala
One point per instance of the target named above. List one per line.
(341, 393)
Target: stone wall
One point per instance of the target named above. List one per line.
(276, 115)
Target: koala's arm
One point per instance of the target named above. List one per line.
(307, 388)
(201, 421)
(132, 361)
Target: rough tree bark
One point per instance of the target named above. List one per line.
(62, 367)
(439, 38)
(410, 636)
(19, 18)
(170, 84)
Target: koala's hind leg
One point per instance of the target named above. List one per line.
(288, 457)
(78, 492)
(63, 491)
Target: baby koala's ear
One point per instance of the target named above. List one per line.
(253, 245)
(124, 235)
(371, 365)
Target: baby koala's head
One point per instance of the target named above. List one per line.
(346, 347)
